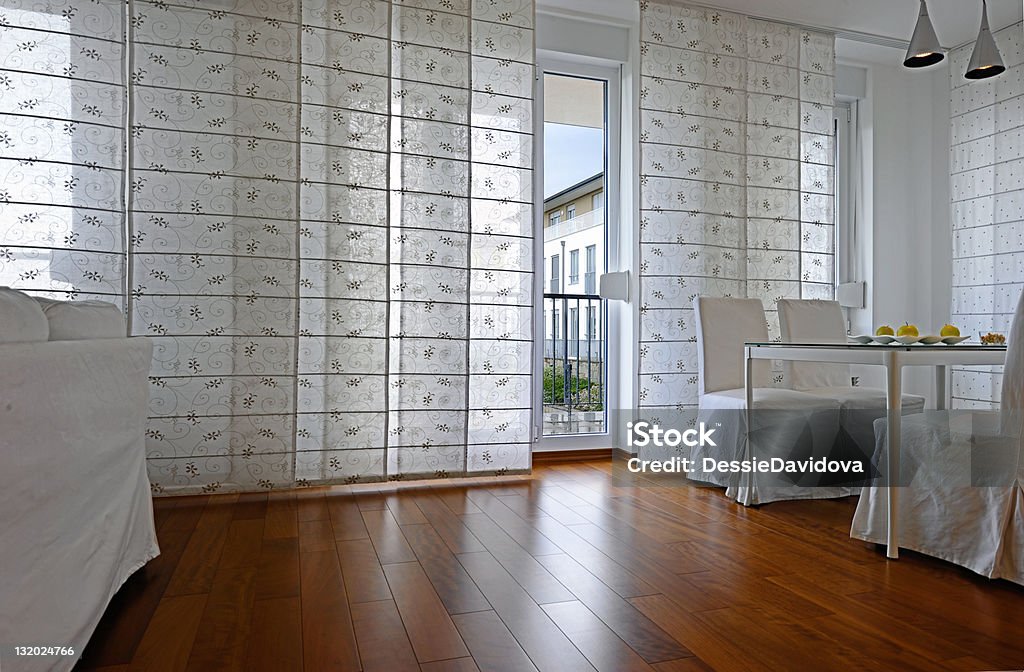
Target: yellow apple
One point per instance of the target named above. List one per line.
(907, 330)
(884, 330)
(949, 330)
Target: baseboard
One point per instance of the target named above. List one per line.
(586, 455)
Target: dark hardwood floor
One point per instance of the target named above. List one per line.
(560, 571)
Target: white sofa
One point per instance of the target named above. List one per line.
(76, 515)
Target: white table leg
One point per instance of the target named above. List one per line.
(748, 480)
(940, 387)
(748, 385)
(894, 406)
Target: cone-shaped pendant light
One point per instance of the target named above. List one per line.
(985, 61)
(924, 47)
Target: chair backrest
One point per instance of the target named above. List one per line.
(813, 321)
(723, 325)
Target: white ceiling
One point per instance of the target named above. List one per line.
(956, 21)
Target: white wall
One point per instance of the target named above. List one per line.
(905, 250)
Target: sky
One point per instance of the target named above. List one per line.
(571, 155)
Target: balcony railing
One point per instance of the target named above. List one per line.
(578, 223)
(574, 364)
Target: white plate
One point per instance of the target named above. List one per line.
(931, 340)
(863, 339)
(953, 340)
(908, 340)
(885, 340)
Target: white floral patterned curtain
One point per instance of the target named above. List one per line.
(737, 175)
(62, 164)
(330, 236)
(987, 183)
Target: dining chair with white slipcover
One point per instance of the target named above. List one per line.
(820, 321)
(962, 480)
(784, 423)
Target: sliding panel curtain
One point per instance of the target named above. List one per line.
(62, 164)
(987, 185)
(319, 210)
(737, 177)
(332, 228)
(214, 237)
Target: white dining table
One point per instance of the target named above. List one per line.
(894, 357)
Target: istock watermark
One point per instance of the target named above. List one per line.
(643, 434)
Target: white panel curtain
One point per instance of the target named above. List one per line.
(325, 224)
(987, 185)
(737, 177)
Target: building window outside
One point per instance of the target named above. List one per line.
(570, 212)
(598, 200)
(555, 217)
(555, 262)
(591, 323)
(556, 323)
(574, 267)
(591, 276)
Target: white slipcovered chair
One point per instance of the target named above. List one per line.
(818, 321)
(76, 514)
(962, 480)
(785, 423)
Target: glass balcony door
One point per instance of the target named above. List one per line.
(573, 366)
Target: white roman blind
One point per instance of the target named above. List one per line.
(319, 210)
(987, 185)
(62, 158)
(737, 177)
(332, 226)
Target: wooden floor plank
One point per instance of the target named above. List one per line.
(616, 576)
(251, 506)
(311, 505)
(601, 646)
(454, 665)
(345, 517)
(449, 578)
(493, 647)
(282, 520)
(275, 642)
(198, 564)
(447, 524)
(242, 543)
(520, 530)
(387, 537)
(383, 644)
(403, 507)
(316, 535)
(277, 575)
(652, 643)
(364, 576)
(328, 638)
(542, 640)
(431, 630)
(168, 640)
(222, 640)
(530, 574)
(185, 515)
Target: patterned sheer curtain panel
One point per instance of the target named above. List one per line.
(62, 159)
(327, 231)
(987, 183)
(737, 177)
